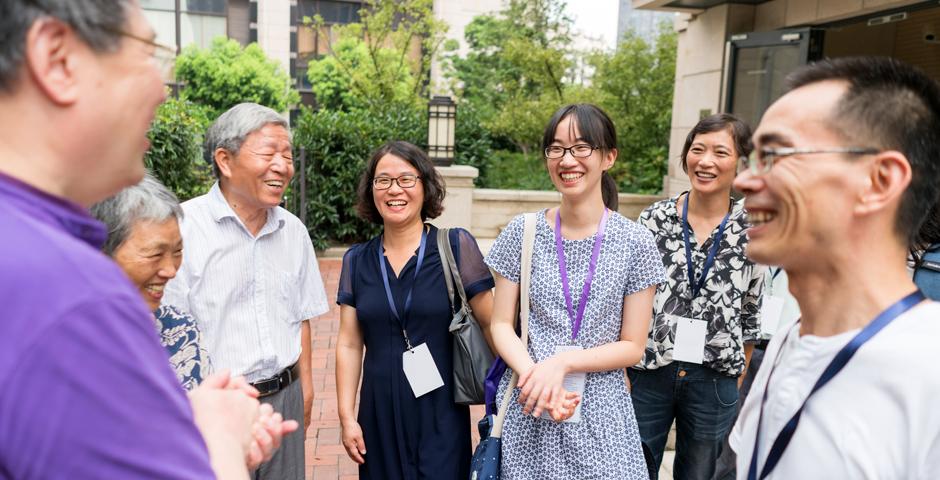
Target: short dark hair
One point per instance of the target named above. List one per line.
(740, 132)
(890, 105)
(97, 22)
(598, 130)
(433, 184)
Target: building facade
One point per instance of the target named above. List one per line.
(278, 26)
(733, 55)
(645, 23)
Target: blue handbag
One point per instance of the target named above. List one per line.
(487, 457)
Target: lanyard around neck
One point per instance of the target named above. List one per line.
(563, 271)
(834, 367)
(696, 284)
(388, 288)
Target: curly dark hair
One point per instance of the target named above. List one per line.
(433, 184)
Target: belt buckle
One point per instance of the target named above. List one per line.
(267, 386)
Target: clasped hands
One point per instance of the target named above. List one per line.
(230, 406)
(541, 389)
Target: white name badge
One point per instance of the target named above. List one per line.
(421, 371)
(690, 339)
(573, 382)
(770, 311)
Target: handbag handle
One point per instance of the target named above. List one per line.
(525, 279)
(447, 261)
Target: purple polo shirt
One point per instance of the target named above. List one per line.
(86, 390)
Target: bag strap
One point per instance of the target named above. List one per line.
(455, 273)
(443, 249)
(525, 279)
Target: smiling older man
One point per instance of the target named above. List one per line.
(844, 179)
(249, 273)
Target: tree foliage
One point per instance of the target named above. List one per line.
(635, 87)
(227, 74)
(384, 59)
(175, 154)
(514, 73)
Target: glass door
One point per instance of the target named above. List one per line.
(758, 64)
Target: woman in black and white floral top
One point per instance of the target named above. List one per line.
(704, 317)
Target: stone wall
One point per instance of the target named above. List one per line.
(493, 209)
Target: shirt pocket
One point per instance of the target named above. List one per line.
(285, 296)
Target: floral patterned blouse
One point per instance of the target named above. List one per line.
(180, 335)
(729, 301)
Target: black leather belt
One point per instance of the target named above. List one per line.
(270, 386)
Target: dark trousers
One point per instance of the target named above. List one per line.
(288, 461)
(703, 404)
(726, 467)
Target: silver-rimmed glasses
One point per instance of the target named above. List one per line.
(761, 160)
(403, 181)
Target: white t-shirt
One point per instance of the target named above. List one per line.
(879, 418)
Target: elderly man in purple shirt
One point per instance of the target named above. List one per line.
(87, 389)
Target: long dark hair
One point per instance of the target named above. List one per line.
(598, 130)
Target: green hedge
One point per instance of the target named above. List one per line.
(338, 145)
(516, 171)
(175, 154)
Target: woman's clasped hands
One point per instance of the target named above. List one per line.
(542, 389)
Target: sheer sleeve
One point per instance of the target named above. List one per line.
(345, 294)
(474, 273)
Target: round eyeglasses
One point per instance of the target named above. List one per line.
(581, 150)
(403, 181)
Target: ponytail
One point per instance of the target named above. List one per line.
(609, 191)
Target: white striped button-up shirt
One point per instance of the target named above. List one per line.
(248, 293)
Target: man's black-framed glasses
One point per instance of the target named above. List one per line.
(581, 150)
(761, 160)
(403, 181)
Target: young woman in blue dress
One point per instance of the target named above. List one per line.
(394, 305)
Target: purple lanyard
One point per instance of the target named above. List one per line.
(388, 288)
(563, 270)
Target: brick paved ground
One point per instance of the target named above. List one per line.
(326, 458)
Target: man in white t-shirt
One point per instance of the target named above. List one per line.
(844, 175)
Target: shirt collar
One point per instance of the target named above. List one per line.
(737, 207)
(53, 210)
(220, 210)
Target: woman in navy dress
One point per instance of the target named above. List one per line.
(397, 435)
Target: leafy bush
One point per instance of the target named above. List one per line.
(226, 74)
(338, 145)
(175, 154)
(516, 171)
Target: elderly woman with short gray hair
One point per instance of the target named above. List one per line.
(144, 239)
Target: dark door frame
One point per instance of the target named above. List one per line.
(809, 39)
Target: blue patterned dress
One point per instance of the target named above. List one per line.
(605, 444)
(180, 335)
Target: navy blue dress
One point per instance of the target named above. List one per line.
(406, 437)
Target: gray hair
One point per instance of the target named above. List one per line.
(149, 200)
(97, 22)
(230, 130)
